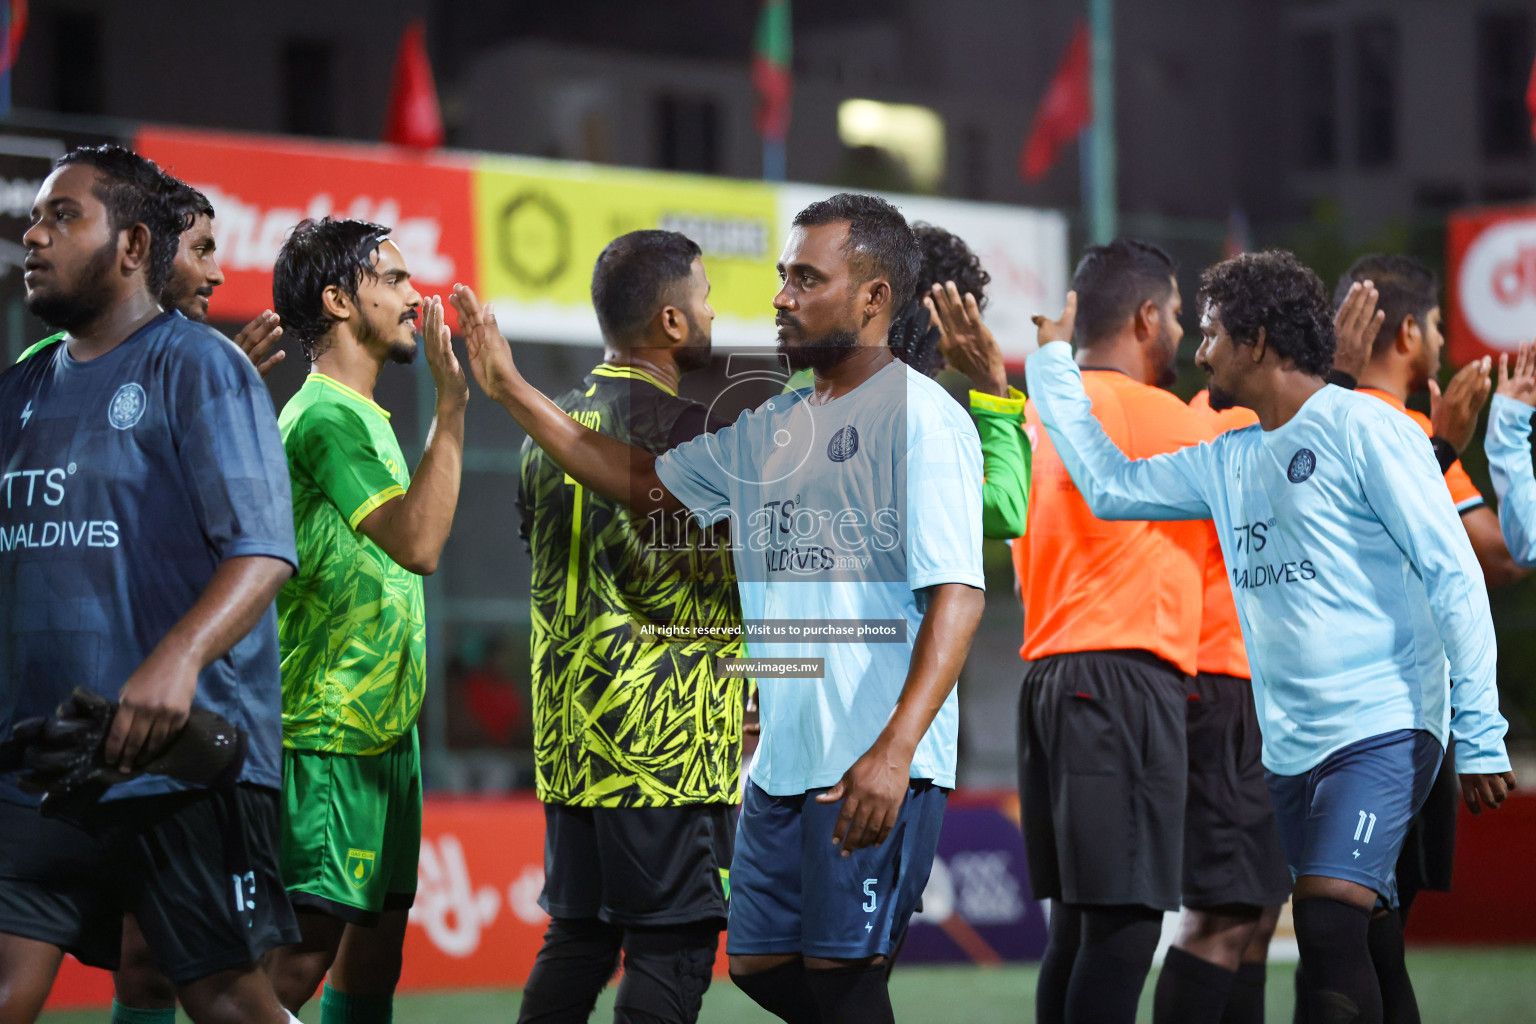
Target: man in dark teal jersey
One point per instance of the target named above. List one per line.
(140, 561)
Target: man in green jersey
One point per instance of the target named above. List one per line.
(351, 623)
(637, 738)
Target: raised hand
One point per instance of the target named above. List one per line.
(1059, 329)
(1453, 415)
(964, 341)
(258, 337)
(490, 357)
(1519, 383)
(1355, 326)
(452, 388)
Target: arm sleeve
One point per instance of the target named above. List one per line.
(1508, 445)
(1005, 461)
(943, 537)
(1396, 472)
(698, 472)
(334, 448)
(231, 454)
(1168, 486)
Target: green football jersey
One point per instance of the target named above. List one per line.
(34, 349)
(351, 623)
(622, 720)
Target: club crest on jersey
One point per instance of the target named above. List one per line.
(843, 445)
(359, 866)
(1302, 465)
(127, 406)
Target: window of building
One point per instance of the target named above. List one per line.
(1503, 71)
(1315, 69)
(687, 134)
(309, 93)
(1375, 45)
(77, 63)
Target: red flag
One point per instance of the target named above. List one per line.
(1066, 110)
(414, 118)
(771, 70)
(1530, 100)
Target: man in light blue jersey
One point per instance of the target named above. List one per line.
(855, 503)
(1354, 582)
(1508, 445)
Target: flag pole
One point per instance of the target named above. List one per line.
(1099, 197)
(774, 159)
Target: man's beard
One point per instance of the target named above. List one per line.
(694, 356)
(182, 297)
(401, 352)
(821, 355)
(1220, 400)
(90, 300)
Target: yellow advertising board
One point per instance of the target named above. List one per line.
(539, 227)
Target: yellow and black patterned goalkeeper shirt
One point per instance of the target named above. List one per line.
(621, 719)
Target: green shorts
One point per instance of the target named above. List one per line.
(352, 830)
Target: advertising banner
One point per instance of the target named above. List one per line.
(1491, 281)
(540, 226)
(261, 187)
(525, 233)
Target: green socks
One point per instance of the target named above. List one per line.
(343, 1008)
(129, 1015)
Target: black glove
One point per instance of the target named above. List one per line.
(62, 757)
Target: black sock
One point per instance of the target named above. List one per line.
(1341, 986)
(1112, 964)
(1245, 1003)
(1062, 939)
(782, 991)
(666, 972)
(852, 995)
(1385, 939)
(578, 957)
(1302, 1014)
(1191, 990)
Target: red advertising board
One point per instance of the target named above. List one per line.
(1491, 261)
(261, 187)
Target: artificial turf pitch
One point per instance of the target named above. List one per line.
(1455, 986)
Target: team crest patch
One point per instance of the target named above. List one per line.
(843, 445)
(127, 406)
(1302, 465)
(359, 867)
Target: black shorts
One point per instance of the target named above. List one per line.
(198, 869)
(1232, 851)
(1429, 850)
(1102, 772)
(645, 866)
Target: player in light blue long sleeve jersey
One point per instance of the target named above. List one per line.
(1355, 585)
(1508, 445)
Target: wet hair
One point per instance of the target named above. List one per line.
(914, 339)
(1112, 281)
(634, 276)
(880, 243)
(1405, 288)
(317, 255)
(133, 191)
(187, 203)
(1273, 291)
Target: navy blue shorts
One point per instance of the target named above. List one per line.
(1347, 817)
(792, 891)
